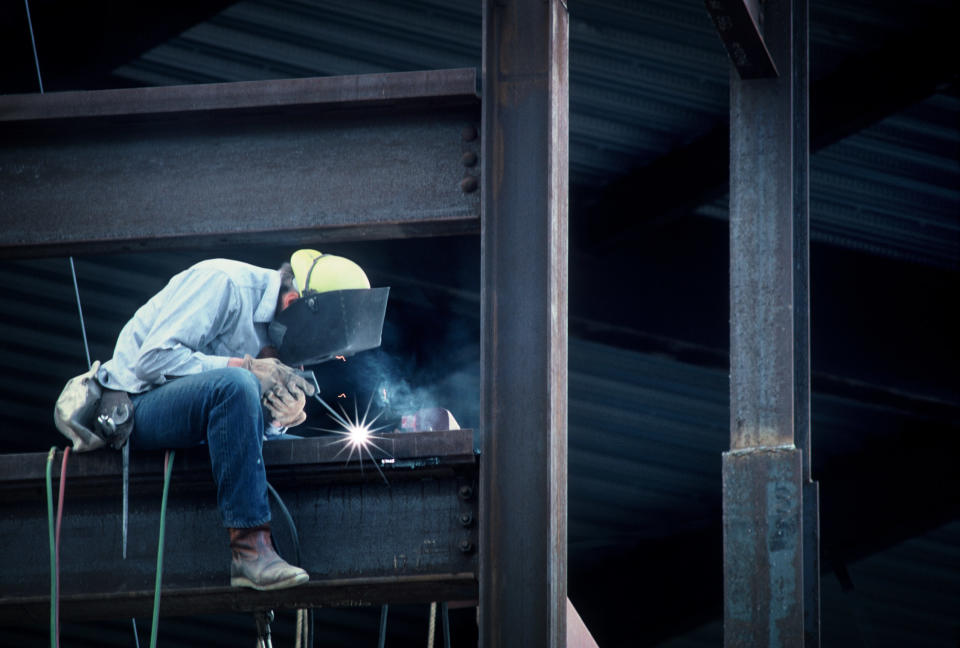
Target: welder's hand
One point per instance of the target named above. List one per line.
(286, 405)
(271, 372)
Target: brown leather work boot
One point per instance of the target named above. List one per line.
(256, 564)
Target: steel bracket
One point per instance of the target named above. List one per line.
(736, 23)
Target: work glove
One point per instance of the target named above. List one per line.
(271, 372)
(286, 405)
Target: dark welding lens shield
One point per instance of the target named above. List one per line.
(321, 326)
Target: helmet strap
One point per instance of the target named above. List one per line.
(313, 265)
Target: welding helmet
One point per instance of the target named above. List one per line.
(337, 314)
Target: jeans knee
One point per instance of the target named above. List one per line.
(238, 385)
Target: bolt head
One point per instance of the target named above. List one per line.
(468, 184)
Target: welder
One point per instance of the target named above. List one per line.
(200, 364)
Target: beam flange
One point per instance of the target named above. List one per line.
(267, 161)
(345, 592)
(363, 541)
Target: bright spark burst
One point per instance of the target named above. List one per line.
(357, 433)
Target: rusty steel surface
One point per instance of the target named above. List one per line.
(339, 158)
(523, 580)
(736, 23)
(761, 251)
(362, 540)
(765, 518)
(762, 549)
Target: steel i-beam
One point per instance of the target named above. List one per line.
(524, 317)
(363, 541)
(337, 158)
(763, 477)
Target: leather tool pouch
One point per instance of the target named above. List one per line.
(114, 421)
(92, 416)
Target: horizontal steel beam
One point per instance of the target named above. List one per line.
(363, 541)
(321, 159)
(430, 87)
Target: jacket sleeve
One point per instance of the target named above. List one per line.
(190, 312)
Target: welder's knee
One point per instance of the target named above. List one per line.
(237, 386)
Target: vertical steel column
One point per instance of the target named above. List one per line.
(762, 472)
(801, 321)
(523, 483)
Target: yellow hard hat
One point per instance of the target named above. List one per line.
(316, 272)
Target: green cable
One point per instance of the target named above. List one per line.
(163, 526)
(53, 558)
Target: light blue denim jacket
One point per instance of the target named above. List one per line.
(210, 312)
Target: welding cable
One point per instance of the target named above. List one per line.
(136, 635)
(54, 639)
(383, 626)
(298, 633)
(167, 469)
(36, 61)
(445, 616)
(54, 533)
(289, 520)
(432, 627)
(83, 327)
(296, 551)
(63, 485)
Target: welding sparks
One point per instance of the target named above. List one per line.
(357, 433)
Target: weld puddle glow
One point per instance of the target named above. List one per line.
(357, 433)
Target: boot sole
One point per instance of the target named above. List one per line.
(240, 581)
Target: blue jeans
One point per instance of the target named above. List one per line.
(222, 408)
